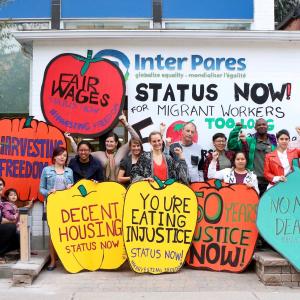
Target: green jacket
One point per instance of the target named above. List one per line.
(235, 144)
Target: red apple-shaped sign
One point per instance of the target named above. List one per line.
(26, 147)
(82, 95)
(174, 131)
(226, 232)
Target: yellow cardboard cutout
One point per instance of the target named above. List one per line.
(158, 225)
(86, 225)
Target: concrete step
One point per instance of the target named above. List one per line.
(273, 269)
(25, 272)
(6, 269)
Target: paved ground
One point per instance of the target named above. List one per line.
(124, 284)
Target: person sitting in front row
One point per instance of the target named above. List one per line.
(237, 174)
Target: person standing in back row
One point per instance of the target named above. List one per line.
(257, 146)
(191, 152)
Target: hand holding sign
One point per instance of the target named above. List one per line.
(215, 155)
(178, 151)
(242, 136)
(122, 119)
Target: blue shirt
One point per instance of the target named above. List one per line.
(48, 179)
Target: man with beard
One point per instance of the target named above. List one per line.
(191, 152)
(257, 145)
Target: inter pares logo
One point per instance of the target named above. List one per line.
(117, 57)
(159, 62)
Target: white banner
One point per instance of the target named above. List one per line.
(211, 83)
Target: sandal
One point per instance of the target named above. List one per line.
(51, 268)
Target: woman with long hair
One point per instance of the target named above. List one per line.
(156, 163)
(237, 174)
(279, 162)
(127, 163)
(110, 158)
(56, 177)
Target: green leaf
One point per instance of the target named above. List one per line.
(159, 182)
(169, 181)
(178, 127)
(199, 194)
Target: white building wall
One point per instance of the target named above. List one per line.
(37, 223)
(263, 20)
(263, 15)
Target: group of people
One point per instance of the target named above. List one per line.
(259, 161)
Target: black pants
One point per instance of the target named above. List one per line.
(9, 239)
(262, 188)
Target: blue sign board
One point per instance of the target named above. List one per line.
(207, 9)
(171, 9)
(106, 9)
(26, 9)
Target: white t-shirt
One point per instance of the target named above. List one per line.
(192, 156)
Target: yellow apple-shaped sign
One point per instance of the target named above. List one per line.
(158, 225)
(85, 225)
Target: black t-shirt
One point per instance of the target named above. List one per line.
(84, 167)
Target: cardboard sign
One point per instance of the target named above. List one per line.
(86, 225)
(82, 95)
(26, 147)
(158, 225)
(226, 232)
(278, 217)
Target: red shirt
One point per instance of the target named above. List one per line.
(160, 171)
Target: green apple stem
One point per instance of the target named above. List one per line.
(28, 122)
(169, 181)
(87, 61)
(218, 184)
(82, 190)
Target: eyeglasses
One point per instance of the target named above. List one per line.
(220, 142)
